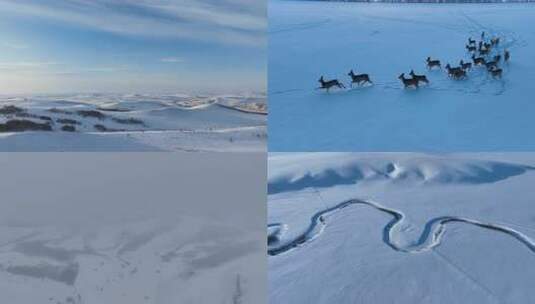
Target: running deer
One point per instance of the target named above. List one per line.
(407, 82)
(453, 70)
(465, 65)
(458, 74)
(495, 72)
(478, 60)
(359, 79)
(471, 48)
(432, 63)
(471, 41)
(421, 78)
(329, 84)
(491, 64)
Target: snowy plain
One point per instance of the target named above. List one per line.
(119, 122)
(401, 228)
(132, 228)
(309, 39)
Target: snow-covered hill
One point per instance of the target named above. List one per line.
(401, 228)
(107, 122)
(134, 263)
(135, 228)
(309, 39)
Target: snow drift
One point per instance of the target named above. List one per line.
(344, 169)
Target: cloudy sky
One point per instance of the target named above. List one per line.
(69, 46)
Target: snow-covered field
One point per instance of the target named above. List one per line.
(132, 228)
(401, 228)
(309, 39)
(107, 122)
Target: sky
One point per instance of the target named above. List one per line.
(132, 46)
(79, 189)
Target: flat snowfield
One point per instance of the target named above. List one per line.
(401, 228)
(309, 39)
(112, 122)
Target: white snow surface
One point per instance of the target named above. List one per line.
(309, 39)
(401, 228)
(137, 228)
(160, 123)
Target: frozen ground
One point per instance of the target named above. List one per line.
(401, 228)
(105, 122)
(132, 228)
(312, 38)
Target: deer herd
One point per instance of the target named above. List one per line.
(484, 53)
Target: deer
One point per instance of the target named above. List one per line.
(497, 58)
(358, 79)
(432, 63)
(478, 60)
(421, 78)
(495, 41)
(471, 41)
(458, 74)
(484, 52)
(482, 35)
(491, 64)
(506, 56)
(471, 48)
(465, 65)
(487, 46)
(407, 82)
(480, 45)
(453, 70)
(495, 72)
(329, 84)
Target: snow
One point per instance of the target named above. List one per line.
(132, 228)
(138, 123)
(401, 227)
(309, 39)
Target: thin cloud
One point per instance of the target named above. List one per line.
(27, 65)
(172, 60)
(104, 69)
(15, 46)
(92, 70)
(242, 22)
(57, 68)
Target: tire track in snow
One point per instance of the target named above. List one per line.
(450, 26)
(430, 238)
(300, 26)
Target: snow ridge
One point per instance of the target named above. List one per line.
(414, 170)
